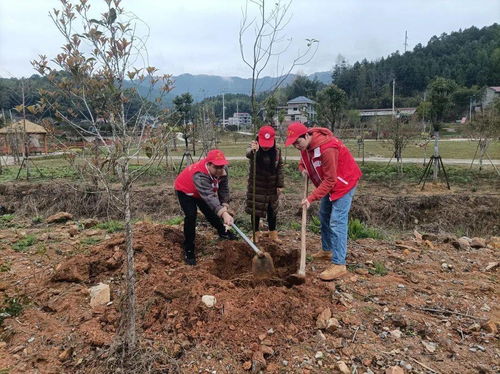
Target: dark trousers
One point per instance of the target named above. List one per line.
(189, 206)
(271, 219)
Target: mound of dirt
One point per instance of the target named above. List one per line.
(399, 303)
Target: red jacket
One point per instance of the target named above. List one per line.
(185, 181)
(329, 164)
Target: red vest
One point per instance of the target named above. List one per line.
(348, 172)
(185, 183)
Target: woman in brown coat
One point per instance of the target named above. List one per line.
(268, 183)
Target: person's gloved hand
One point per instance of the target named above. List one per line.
(305, 203)
(305, 174)
(229, 210)
(227, 218)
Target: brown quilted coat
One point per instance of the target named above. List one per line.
(266, 184)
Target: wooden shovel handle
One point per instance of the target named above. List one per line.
(302, 264)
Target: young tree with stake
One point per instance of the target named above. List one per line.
(99, 60)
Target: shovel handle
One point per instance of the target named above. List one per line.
(302, 264)
(245, 238)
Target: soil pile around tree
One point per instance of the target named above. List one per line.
(414, 303)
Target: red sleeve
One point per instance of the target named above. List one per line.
(329, 162)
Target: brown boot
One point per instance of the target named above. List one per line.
(273, 235)
(333, 272)
(322, 255)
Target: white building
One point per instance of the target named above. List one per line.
(300, 109)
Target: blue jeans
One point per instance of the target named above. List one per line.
(334, 218)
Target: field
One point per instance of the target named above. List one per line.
(421, 295)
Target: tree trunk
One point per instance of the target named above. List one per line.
(436, 154)
(130, 304)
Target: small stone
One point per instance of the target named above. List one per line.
(394, 370)
(262, 337)
(99, 295)
(59, 217)
(491, 327)
(494, 242)
(343, 368)
(461, 244)
(478, 243)
(31, 340)
(266, 350)
(319, 355)
(247, 365)
(64, 355)
(323, 319)
(429, 346)
(209, 300)
(396, 334)
(491, 266)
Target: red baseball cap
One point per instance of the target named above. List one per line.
(266, 136)
(216, 157)
(295, 130)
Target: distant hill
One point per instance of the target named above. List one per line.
(202, 86)
(470, 57)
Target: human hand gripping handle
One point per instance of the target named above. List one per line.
(227, 218)
(254, 146)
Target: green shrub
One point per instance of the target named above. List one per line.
(5, 220)
(357, 230)
(12, 307)
(22, 244)
(174, 221)
(315, 225)
(4, 267)
(111, 226)
(379, 269)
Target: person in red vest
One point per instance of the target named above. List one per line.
(204, 185)
(334, 172)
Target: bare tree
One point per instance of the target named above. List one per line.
(262, 39)
(91, 78)
(401, 131)
(485, 128)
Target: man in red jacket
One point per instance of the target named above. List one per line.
(335, 174)
(204, 185)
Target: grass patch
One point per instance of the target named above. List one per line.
(174, 221)
(5, 267)
(357, 230)
(24, 243)
(378, 269)
(111, 226)
(90, 241)
(314, 225)
(5, 220)
(11, 307)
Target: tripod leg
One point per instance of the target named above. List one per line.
(444, 172)
(425, 171)
(474, 158)
(180, 165)
(492, 164)
(20, 167)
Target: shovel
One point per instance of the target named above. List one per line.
(300, 276)
(262, 262)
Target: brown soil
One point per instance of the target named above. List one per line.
(421, 313)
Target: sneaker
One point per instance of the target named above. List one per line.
(190, 260)
(333, 272)
(228, 235)
(322, 255)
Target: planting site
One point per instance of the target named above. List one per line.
(418, 298)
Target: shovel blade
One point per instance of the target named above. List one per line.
(262, 266)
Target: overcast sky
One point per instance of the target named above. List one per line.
(201, 36)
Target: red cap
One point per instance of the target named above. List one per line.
(295, 130)
(216, 157)
(266, 136)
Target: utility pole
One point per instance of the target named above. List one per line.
(406, 40)
(223, 112)
(393, 93)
